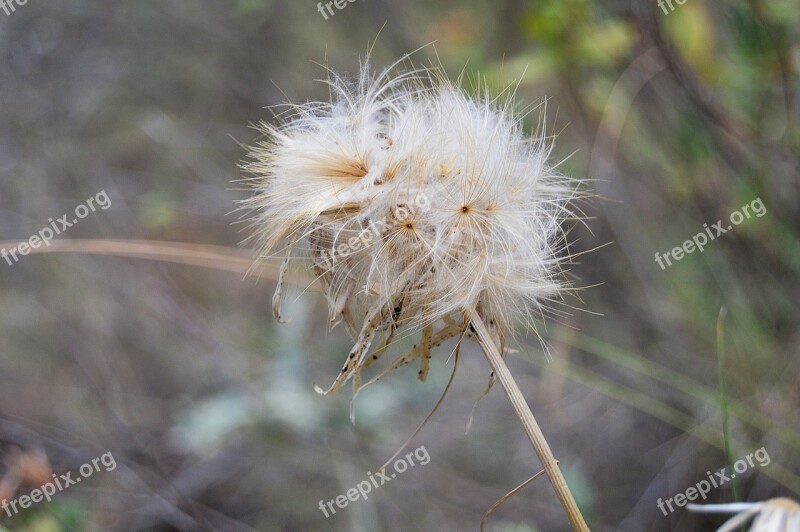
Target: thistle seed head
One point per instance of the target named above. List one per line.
(415, 204)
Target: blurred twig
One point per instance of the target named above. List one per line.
(507, 496)
(672, 416)
(222, 258)
(723, 398)
(682, 383)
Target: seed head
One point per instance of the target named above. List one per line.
(415, 204)
(774, 515)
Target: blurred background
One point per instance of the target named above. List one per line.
(676, 117)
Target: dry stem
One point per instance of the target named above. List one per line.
(532, 429)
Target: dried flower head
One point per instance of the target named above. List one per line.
(416, 206)
(774, 515)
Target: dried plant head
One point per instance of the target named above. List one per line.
(774, 515)
(416, 205)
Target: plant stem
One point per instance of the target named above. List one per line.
(723, 399)
(549, 462)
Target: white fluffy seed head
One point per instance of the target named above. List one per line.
(414, 202)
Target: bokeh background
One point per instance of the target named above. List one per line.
(674, 118)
